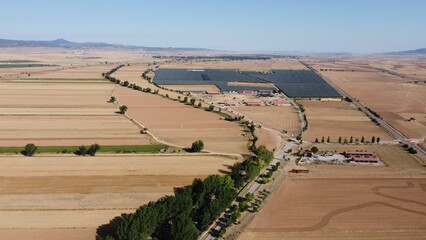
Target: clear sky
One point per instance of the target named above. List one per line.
(358, 26)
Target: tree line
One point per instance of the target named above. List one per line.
(191, 209)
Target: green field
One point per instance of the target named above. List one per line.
(17, 61)
(104, 149)
(13, 65)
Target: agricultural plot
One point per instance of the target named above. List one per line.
(337, 207)
(246, 65)
(82, 72)
(278, 118)
(268, 139)
(63, 114)
(74, 195)
(339, 119)
(180, 124)
(392, 97)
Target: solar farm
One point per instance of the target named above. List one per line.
(293, 83)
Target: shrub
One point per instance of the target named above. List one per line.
(123, 109)
(197, 146)
(93, 149)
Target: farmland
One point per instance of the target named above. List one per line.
(67, 107)
(249, 65)
(107, 186)
(393, 97)
(63, 114)
(339, 119)
(180, 124)
(347, 201)
(336, 207)
(278, 118)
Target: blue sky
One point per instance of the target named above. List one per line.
(358, 26)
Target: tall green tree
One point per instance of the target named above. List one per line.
(123, 109)
(197, 146)
(30, 149)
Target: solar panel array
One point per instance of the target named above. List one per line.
(294, 83)
(218, 77)
(298, 83)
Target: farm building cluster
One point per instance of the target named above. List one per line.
(293, 83)
(349, 157)
(251, 99)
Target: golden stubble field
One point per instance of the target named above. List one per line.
(339, 119)
(180, 124)
(278, 118)
(348, 202)
(63, 114)
(343, 208)
(392, 97)
(43, 196)
(246, 65)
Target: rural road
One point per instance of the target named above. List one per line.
(254, 186)
(399, 136)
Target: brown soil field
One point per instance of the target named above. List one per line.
(61, 114)
(84, 72)
(268, 139)
(133, 74)
(180, 124)
(339, 119)
(392, 97)
(73, 195)
(247, 65)
(23, 72)
(279, 118)
(331, 207)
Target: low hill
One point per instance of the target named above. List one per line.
(62, 43)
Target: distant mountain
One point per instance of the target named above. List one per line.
(62, 43)
(420, 51)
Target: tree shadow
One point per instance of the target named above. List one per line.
(109, 229)
(223, 171)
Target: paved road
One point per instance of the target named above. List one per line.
(399, 136)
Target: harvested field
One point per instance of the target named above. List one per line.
(246, 65)
(180, 124)
(63, 114)
(68, 130)
(339, 119)
(133, 73)
(268, 139)
(90, 72)
(279, 118)
(368, 208)
(391, 96)
(46, 188)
